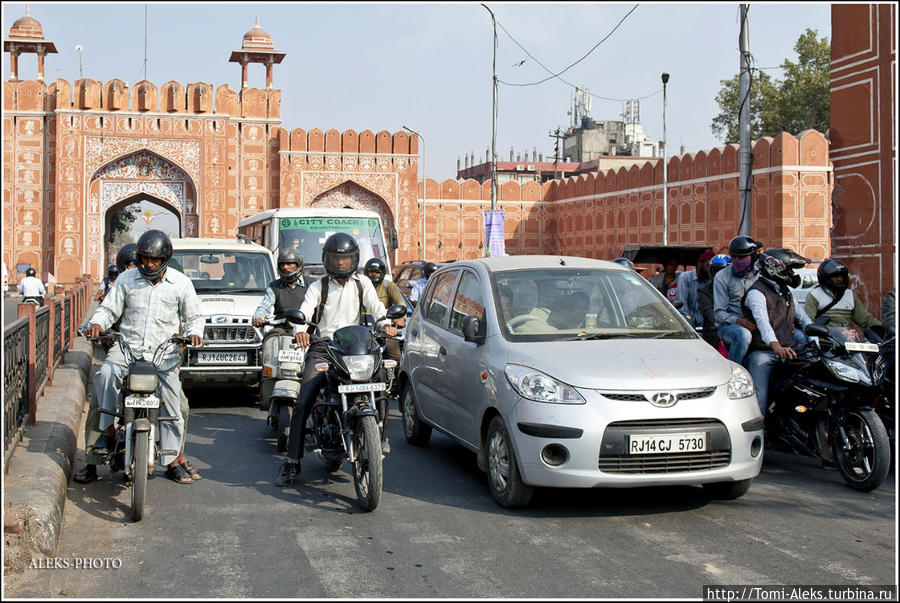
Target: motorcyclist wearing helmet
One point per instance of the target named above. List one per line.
(418, 287)
(287, 291)
(31, 287)
(112, 272)
(152, 303)
(127, 257)
(334, 301)
(729, 287)
(770, 304)
(705, 299)
(389, 294)
(832, 299)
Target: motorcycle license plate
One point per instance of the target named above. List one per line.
(295, 356)
(355, 388)
(855, 346)
(222, 358)
(150, 401)
(668, 443)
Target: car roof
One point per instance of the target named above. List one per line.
(213, 243)
(522, 262)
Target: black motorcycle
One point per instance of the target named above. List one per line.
(821, 405)
(137, 440)
(347, 417)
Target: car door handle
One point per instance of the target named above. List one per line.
(442, 351)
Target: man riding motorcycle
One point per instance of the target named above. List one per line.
(127, 257)
(332, 302)
(31, 287)
(389, 294)
(833, 299)
(287, 291)
(152, 302)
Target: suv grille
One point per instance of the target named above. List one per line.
(688, 395)
(239, 331)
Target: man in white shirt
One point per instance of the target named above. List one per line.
(418, 287)
(31, 287)
(152, 302)
(334, 301)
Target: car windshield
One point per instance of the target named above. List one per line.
(582, 303)
(308, 235)
(223, 271)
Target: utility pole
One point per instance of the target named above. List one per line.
(665, 240)
(746, 152)
(494, 120)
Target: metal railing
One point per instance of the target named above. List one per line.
(16, 393)
(41, 347)
(68, 320)
(58, 344)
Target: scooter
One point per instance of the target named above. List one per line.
(137, 440)
(282, 362)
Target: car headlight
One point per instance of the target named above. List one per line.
(535, 385)
(741, 383)
(842, 371)
(360, 367)
(142, 382)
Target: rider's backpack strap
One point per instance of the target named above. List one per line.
(317, 315)
(359, 291)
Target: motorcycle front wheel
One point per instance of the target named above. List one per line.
(139, 473)
(864, 461)
(367, 476)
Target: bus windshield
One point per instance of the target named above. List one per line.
(308, 235)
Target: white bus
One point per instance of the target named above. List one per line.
(306, 230)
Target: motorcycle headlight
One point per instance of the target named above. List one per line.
(360, 367)
(741, 383)
(535, 385)
(142, 383)
(842, 371)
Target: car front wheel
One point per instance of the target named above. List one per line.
(417, 433)
(503, 476)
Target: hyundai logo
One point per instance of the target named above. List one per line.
(663, 399)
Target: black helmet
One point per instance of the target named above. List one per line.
(428, 269)
(339, 245)
(741, 246)
(376, 265)
(290, 256)
(778, 265)
(625, 262)
(30, 272)
(112, 271)
(718, 262)
(126, 257)
(829, 269)
(154, 244)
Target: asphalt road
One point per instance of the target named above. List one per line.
(438, 532)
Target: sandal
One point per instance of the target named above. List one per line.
(86, 475)
(178, 475)
(195, 475)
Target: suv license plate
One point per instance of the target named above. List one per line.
(221, 357)
(667, 443)
(150, 401)
(354, 388)
(295, 356)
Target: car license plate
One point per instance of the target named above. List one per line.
(855, 346)
(291, 356)
(667, 443)
(222, 358)
(150, 401)
(354, 388)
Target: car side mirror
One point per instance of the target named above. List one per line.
(471, 327)
(295, 316)
(396, 311)
(395, 240)
(814, 330)
(689, 319)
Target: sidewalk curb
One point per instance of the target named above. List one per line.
(41, 465)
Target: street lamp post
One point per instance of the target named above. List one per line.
(494, 118)
(665, 241)
(424, 186)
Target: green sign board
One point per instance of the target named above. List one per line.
(327, 224)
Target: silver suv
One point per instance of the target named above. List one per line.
(230, 277)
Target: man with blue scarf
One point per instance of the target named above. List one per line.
(729, 287)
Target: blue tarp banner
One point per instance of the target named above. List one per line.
(493, 233)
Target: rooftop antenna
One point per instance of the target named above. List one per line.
(79, 50)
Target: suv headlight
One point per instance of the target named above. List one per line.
(360, 367)
(741, 383)
(842, 371)
(535, 385)
(142, 382)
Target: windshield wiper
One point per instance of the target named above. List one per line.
(680, 334)
(242, 290)
(604, 336)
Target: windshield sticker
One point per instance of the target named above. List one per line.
(351, 225)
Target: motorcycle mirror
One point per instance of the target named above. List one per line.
(677, 304)
(814, 330)
(295, 316)
(396, 311)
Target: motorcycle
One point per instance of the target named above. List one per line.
(282, 362)
(821, 405)
(346, 419)
(137, 440)
(37, 300)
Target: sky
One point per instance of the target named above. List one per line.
(428, 66)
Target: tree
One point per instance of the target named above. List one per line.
(120, 229)
(802, 100)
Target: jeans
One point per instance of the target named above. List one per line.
(736, 339)
(760, 365)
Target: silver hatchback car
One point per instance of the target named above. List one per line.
(574, 372)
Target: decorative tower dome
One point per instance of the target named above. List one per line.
(26, 28)
(257, 39)
(26, 36)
